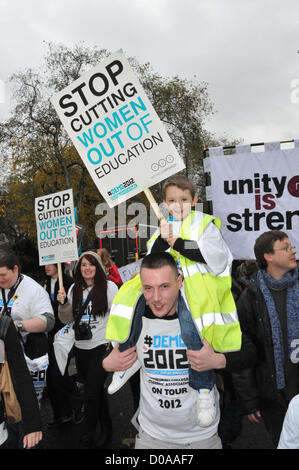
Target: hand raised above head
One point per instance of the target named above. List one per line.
(166, 232)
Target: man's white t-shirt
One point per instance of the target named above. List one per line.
(167, 403)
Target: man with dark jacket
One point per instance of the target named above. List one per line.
(23, 386)
(269, 316)
(29, 306)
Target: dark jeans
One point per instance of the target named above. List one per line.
(89, 366)
(190, 337)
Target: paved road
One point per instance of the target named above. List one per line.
(122, 409)
(67, 437)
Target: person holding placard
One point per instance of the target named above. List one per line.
(195, 241)
(23, 299)
(86, 307)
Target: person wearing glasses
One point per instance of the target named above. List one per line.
(269, 315)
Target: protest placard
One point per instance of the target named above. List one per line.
(56, 228)
(116, 131)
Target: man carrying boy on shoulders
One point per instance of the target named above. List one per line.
(167, 402)
(195, 242)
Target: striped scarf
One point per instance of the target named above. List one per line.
(291, 283)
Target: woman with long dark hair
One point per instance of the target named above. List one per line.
(62, 390)
(87, 305)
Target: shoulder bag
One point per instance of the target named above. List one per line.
(7, 392)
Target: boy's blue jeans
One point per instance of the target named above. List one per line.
(190, 337)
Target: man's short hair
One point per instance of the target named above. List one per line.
(159, 260)
(8, 260)
(264, 244)
(179, 181)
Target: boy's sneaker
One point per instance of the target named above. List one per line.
(206, 407)
(121, 377)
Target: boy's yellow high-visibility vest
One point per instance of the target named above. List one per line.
(209, 297)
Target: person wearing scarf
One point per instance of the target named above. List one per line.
(269, 286)
(268, 311)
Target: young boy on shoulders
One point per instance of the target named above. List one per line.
(194, 240)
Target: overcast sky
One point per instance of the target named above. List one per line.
(245, 49)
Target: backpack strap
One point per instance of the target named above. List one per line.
(80, 313)
(4, 325)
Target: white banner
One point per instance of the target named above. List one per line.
(56, 228)
(253, 193)
(116, 131)
(126, 272)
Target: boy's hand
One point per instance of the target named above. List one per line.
(206, 358)
(166, 233)
(120, 360)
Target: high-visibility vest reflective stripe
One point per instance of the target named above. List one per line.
(122, 309)
(214, 314)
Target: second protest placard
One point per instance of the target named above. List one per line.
(116, 131)
(56, 228)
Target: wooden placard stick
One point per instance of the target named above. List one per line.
(60, 276)
(154, 205)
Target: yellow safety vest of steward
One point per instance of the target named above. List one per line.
(209, 297)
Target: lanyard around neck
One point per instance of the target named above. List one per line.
(10, 293)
